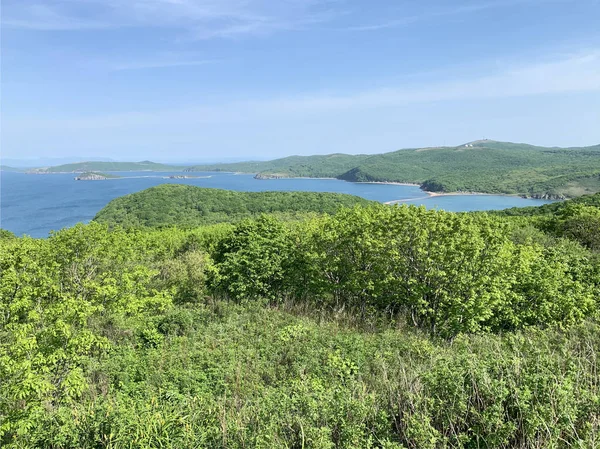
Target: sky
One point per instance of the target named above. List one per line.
(193, 80)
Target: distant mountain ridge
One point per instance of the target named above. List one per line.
(103, 166)
(9, 168)
(485, 166)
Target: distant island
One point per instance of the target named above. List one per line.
(99, 166)
(94, 176)
(484, 166)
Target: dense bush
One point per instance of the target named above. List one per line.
(444, 272)
(380, 327)
(577, 219)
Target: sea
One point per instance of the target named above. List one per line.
(35, 205)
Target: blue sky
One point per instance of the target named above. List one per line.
(178, 80)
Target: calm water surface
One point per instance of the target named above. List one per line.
(36, 204)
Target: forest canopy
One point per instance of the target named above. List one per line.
(190, 206)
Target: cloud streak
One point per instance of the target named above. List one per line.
(574, 73)
(199, 19)
(445, 12)
(158, 64)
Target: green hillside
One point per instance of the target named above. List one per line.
(378, 327)
(98, 166)
(482, 166)
(189, 206)
(328, 166)
(490, 167)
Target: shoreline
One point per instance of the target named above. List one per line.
(410, 184)
(432, 194)
(429, 194)
(439, 194)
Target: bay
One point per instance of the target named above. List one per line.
(37, 204)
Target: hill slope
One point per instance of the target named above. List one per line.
(326, 166)
(482, 166)
(95, 166)
(189, 206)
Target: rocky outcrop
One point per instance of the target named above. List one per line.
(271, 176)
(90, 176)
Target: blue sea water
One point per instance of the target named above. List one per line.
(37, 204)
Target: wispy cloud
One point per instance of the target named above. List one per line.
(197, 18)
(567, 74)
(46, 17)
(157, 64)
(456, 10)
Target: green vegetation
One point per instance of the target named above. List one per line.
(482, 166)
(189, 206)
(328, 166)
(376, 327)
(4, 234)
(97, 166)
(552, 208)
(577, 219)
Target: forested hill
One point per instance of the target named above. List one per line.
(189, 206)
(319, 166)
(94, 166)
(481, 166)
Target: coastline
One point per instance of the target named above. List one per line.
(432, 194)
(429, 194)
(436, 194)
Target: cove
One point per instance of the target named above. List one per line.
(34, 205)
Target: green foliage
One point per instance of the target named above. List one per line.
(246, 376)
(5, 234)
(378, 327)
(577, 219)
(443, 272)
(252, 262)
(481, 166)
(551, 208)
(186, 276)
(189, 206)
